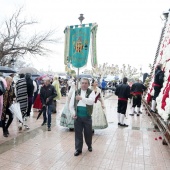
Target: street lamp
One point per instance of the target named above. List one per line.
(81, 18)
(12, 62)
(164, 15)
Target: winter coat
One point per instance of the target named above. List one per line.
(159, 77)
(137, 88)
(47, 92)
(123, 91)
(8, 97)
(30, 87)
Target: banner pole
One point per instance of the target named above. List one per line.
(81, 18)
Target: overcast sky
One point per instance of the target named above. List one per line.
(128, 30)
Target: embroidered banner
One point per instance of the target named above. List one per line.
(79, 46)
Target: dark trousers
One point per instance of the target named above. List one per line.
(83, 124)
(6, 126)
(156, 92)
(137, 101)
(54, 110)
(103, 91)
(122, 106)
(30, 100)
(47, 114)
(35, 96)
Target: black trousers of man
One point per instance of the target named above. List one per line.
(83, 124)
(122, 106)
(30, 102)
(156, 92)
(137, 101)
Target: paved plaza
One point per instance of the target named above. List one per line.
(138, 147)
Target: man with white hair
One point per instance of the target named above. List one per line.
(47, 94)
(81, 107)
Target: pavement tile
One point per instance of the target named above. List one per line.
(114, 148)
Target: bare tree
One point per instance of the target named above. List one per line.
(105, 69)
(15, 43)
(21, 63)
(129, 72)
(114, 70)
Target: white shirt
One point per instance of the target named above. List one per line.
(83, 102)
(35, 86)
(70, 82)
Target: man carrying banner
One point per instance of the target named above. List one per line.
(82, 102)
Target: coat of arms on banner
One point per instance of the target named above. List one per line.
(79, 46)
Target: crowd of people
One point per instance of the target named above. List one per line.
(84, 110)
(29, 93)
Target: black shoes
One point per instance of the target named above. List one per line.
(131, 114)
(124, 125)
(26, 127)
(49, 128)
(90, 149)
(77, 153)
(5, 134)
(44, 123)
(71, 129)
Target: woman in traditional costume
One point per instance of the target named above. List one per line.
(99, 120)
(66, 117)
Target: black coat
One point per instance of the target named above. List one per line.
(30, 87)
(123, 91)
(138, 87)
(159, 77)
(47, 92)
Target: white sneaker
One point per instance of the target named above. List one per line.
(20, 126)
(26, 126)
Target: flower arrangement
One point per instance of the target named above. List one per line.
(163, 100)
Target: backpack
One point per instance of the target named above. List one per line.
(2, 88)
